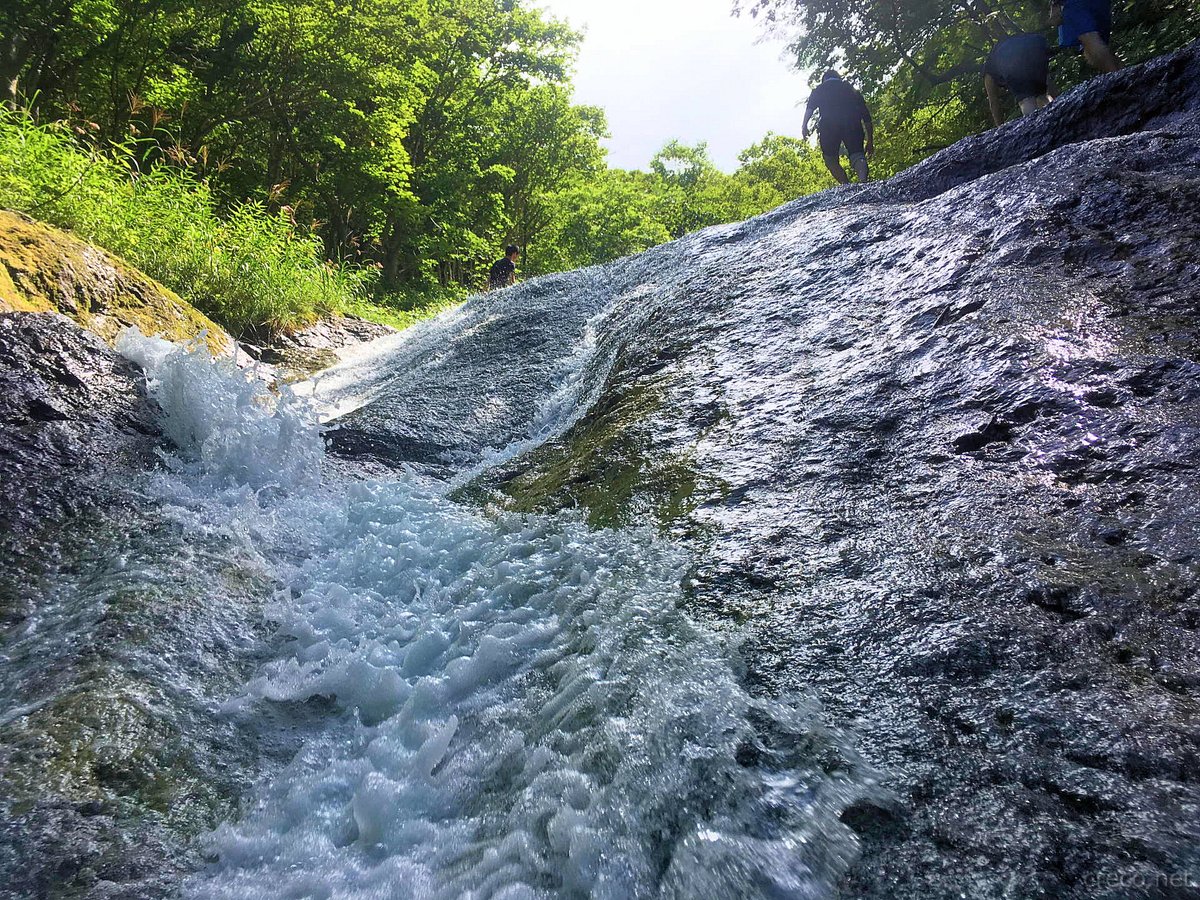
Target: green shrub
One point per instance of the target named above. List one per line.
(251, 270)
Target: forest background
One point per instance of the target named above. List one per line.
(278, 160)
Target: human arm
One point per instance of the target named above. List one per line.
(868, 129)
(993, 97)
(808, 112)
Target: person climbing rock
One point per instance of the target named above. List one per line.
(1021, 65)
(1086, 24)
(846, 120)
(504, 271)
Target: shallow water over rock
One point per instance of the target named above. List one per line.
(851, 548)
(935, 460)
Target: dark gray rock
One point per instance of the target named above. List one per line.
(301, 353)
(935, 444)
(73, 415)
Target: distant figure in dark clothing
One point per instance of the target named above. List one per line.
(1020, 64)
(1086, 24)
(504, 271)
(844, 115)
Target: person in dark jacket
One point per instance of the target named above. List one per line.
(845, 120)
(1021, 65)
(504, 271)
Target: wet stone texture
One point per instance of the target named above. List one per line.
(940, 441)
(298, 354)
(119, 635)
(73, 413)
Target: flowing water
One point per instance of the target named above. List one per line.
(512, 704)
(849, 548)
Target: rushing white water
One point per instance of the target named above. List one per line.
(520, 708)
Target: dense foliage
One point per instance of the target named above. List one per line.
(248, 269)
(411, 138)
(408, 140)
(919, 61)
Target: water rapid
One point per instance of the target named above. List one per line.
(511, 704)
(850, 550)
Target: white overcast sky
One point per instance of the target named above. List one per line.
(684, 69)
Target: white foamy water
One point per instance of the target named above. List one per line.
(227, 420)
(511, 706)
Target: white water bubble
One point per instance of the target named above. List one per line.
(515, 706)
(225, 418)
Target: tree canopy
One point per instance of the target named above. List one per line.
(417, 137)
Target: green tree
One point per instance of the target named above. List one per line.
(790, 167)
(611, 214)
(919, 60)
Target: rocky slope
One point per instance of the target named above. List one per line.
(930, 446)
(935, 444)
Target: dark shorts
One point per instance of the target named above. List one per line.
(1082, 17)
(1021, 64)
(1024, 88)
(833, 136)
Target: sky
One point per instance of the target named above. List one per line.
(684, 69)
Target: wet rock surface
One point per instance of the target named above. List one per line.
(935, 446)
(506, 349)
(301, 353)
(74, 414)
(931, 445)
(120, 633)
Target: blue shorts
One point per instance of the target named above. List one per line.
(1083, 16)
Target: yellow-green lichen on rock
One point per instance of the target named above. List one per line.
(610, 464)
(44, 269)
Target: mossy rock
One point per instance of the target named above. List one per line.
(43, 269)
(611, 464)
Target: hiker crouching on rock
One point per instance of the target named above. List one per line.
(1086, 24)
(844, 116)
(504, 271)
(1021, 64)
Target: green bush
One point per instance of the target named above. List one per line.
(251, 270)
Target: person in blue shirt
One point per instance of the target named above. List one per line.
(1086, 24)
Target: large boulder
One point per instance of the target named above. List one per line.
(45, 269)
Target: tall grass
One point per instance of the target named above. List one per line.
(250, 270)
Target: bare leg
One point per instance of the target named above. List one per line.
(860, 169)
(1098, 54)
(1032, 104)
(834, 162)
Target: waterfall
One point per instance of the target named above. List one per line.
(514, 704)
(851, 549)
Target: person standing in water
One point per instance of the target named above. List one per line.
(1086, 24)
(1020, 64)
(846, 120)
(504, 271)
